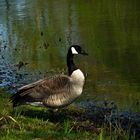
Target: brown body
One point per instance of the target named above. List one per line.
(55, 92)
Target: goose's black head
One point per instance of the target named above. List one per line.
(76, 49)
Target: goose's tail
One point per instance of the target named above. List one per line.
(16, 99)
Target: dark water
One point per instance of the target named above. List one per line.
(35, 36)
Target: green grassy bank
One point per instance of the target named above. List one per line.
(38, 123)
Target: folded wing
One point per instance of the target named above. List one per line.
(45, 90)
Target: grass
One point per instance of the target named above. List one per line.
(38, 123)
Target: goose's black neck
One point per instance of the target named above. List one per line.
(70, 63)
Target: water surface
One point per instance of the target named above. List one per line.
(38, 33)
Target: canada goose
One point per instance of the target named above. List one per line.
(57, 91)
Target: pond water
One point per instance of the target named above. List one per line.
(35, 36)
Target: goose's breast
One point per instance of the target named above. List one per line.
(78, 76)
(77, 79)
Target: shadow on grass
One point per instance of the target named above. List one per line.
(77, 118)
(70, 113)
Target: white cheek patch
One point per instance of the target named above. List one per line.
(73, 51)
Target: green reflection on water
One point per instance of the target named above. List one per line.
(39, 32)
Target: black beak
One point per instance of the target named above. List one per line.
(83, 52)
